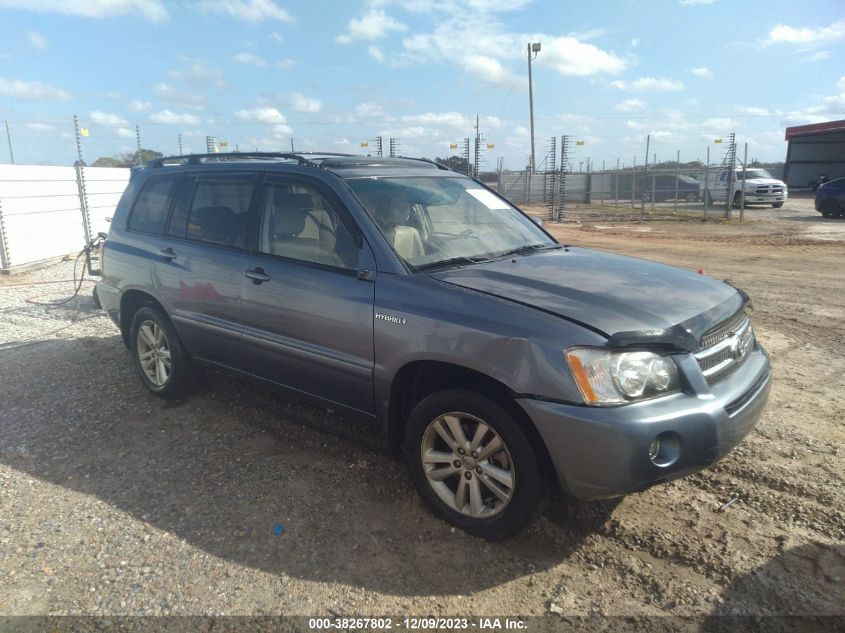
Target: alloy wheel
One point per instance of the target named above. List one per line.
(468, 465)
(154, 353)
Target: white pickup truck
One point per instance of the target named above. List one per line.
(759, 185)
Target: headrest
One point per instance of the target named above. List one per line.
(209, 217)
(386, 210)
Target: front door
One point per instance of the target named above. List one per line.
(307, 313)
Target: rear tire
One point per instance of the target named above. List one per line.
(163, 365)
(473, 464)
(777, 205)
(831, 209)
(737, 201)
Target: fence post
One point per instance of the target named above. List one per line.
(616, 186)
(677, 173)
(653, 186)
(742, 195)
(4, 253)
(707, 184)
(83, 203)
(633, 180)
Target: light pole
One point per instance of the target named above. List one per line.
(533, 48)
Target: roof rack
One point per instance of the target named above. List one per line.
(197, 159)
(428, 160)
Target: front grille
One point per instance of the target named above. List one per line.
(723, 330)
(762, 190)
(777, 189)
(725, 348)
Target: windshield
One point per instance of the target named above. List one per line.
(753, 173)
(439, 220)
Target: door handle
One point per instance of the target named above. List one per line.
(257, 275)
(167, 253)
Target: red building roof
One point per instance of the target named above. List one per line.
(814, 128)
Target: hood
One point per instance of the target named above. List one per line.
(623, 298)
(764, 181)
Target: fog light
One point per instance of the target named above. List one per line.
(665, 449)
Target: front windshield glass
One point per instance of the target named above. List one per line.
(753, 173)
(439, 220)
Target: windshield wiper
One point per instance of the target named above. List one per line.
(452, 261)
(527, 248)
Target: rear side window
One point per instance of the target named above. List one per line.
(149, 213)
(218, 212)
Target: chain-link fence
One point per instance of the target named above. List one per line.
(713, 187)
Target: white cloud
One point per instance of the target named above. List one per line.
(262, 115)
(166, 116)
(153, 10)
(125, 132)
(276, 37)
(817, 56)
(841, 83)
(702, 71)
(199, 74)
(487, 68)
(181, 98)
(753, 111)
(282, 129)
(630, 104)
(107, 118)
(375, 53)
(40, 127)
(249, 58)
(692, 3)
(138, 106)
(454, 120)
(574, 58)
(36, 40)
(369, 109)
(299, 102)
(285, 64)
(806, 35)
(31, 91)
(374, 25)
(649, 84)
(253, 11)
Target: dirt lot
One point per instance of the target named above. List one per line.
(114, 502)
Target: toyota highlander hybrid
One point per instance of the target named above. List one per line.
(498, 362)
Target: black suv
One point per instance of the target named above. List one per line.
(498, 362)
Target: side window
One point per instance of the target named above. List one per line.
(149, 213)
(218, 212)
(299, 223)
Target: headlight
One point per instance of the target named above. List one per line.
(607, 378)
(750, 187)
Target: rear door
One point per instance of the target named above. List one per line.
(307, 310)
(203, 259)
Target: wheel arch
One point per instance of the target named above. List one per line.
(130, 302)
(420, 378)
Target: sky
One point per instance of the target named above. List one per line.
(331, 75)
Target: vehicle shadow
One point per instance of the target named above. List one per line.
(799, 590)
(251, 476)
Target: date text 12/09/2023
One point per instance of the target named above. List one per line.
(417, 623)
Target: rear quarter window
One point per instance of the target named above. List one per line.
(149, 213)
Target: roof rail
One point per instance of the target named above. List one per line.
(197, 159)
(428, 160)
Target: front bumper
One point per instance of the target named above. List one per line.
(604, 452)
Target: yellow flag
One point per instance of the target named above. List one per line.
(718, 140)
(84, 131)
(224, 143)
(453, 146)
(365, 144)
(490, 146)
(579, 142)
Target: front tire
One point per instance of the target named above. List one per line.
(831, 209)
(473, 464)
(163, 365)
(777, 205)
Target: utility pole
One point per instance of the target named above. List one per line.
(477, 148)
(138, 142)
(180, 145)
(379, 146)
(532, 48)
(291, 144)
(9, 140)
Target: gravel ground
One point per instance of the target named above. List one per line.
(241, 501)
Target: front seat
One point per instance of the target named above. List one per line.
(392, 216)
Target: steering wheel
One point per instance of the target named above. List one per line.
(463, 234)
